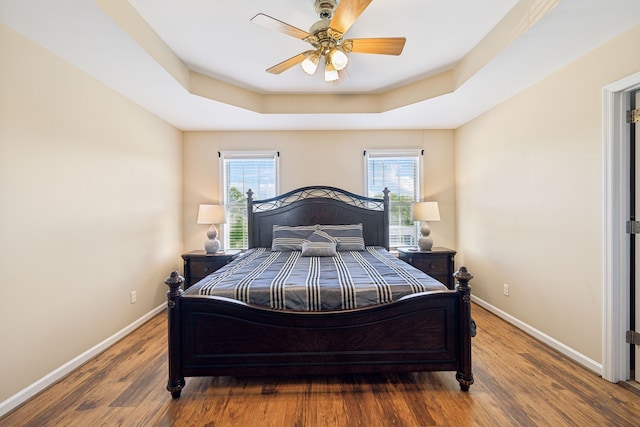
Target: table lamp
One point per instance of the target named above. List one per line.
(211, 214)
(425, 211)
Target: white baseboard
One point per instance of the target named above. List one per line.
(64, 370)
(540, 336)
(51, 378)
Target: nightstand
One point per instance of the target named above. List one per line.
(437, 263)
(199, 264)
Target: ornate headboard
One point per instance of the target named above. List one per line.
(318, 205)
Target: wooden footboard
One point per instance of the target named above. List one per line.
(211, 336)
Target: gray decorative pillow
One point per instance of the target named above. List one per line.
(349, 236)
(290, 238)
(318, 248)
(321, 236)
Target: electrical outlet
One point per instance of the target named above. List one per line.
(505, 290)
(133, 297)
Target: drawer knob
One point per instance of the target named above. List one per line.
(206, 269)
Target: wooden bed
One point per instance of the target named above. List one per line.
(210, 336)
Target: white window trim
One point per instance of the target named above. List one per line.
(247, 155)
(250, 154)
(410, 152)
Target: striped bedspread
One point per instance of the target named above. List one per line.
(288, 280)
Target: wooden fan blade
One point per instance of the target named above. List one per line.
(346, 14)
(275, 24)
(285, 65)
(381, 46)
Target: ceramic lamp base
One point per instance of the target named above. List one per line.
(212, 245)
(425, 243)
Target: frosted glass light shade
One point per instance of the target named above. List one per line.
(339, 59)
(330, 73)
(310, 63)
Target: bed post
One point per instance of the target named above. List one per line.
(176, 379)
(464, 374)
(386, 217)
(250, 242)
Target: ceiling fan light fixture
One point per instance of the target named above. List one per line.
(326, 36)
(310, 63)
(338, 59)
(330, 72)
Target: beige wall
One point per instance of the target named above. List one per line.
(317, 158)
(530, 198)
(90, 209)
(98, 198)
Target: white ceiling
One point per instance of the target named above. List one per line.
(491, 48)
(217, 38)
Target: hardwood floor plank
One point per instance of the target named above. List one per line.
(518, 382)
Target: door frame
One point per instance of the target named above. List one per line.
(615, 245)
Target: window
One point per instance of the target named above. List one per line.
(242, 171)
(401, 172)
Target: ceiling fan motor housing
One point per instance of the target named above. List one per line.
(324, 37)
(325, 8)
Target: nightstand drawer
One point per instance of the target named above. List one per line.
(198, 264)
(437, 263)
(201, 269)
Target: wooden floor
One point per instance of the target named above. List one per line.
(518, 382)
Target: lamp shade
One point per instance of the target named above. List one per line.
(425, 211)
(211, 214)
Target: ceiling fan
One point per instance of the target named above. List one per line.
(326, 37)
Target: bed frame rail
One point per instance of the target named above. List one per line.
(218, 336)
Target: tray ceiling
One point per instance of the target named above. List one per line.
(200, 65)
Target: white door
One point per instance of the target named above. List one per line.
(635, 139)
